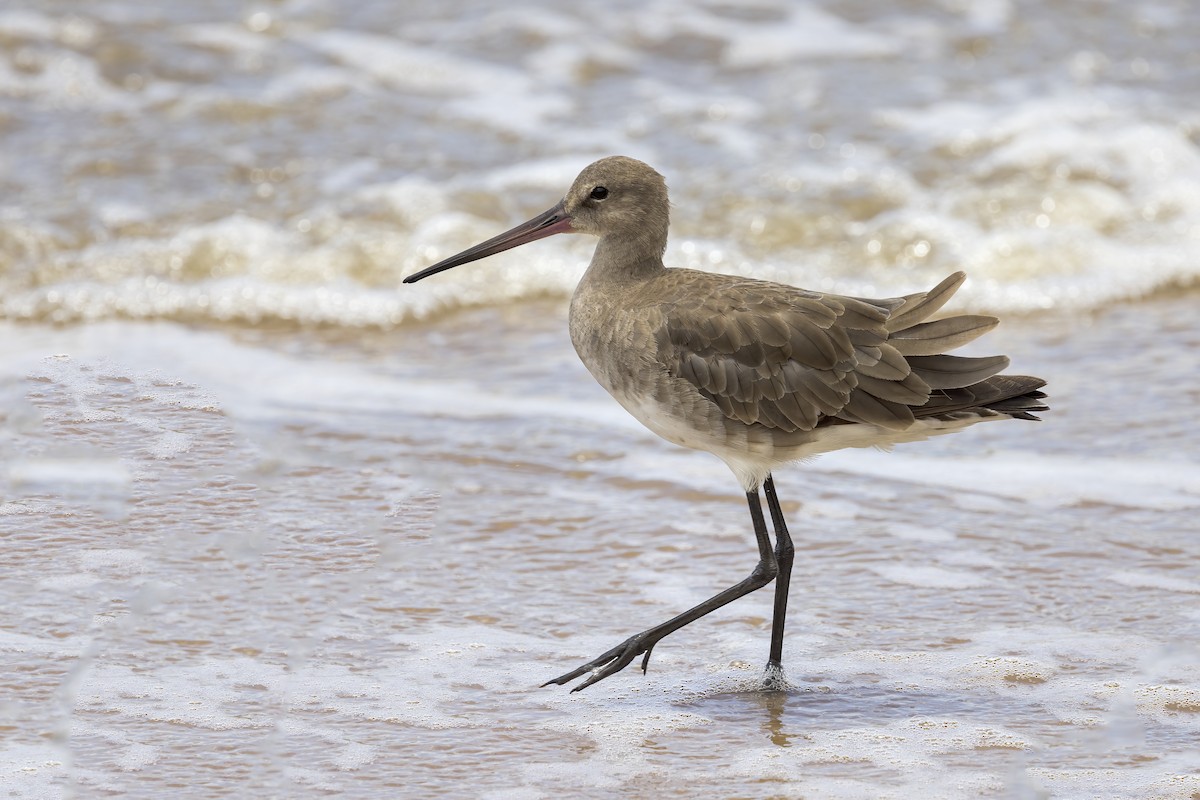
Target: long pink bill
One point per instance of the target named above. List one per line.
(548, 223)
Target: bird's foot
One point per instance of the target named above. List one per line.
(773, 679)
(612, 661)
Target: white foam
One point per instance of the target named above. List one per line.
(247, 381)
(226, 37)
(920, 533)
(25, 507)
(394, 62)
(103, 474)
(67, 79)
(50, 648)
(309, 84)
(807, 32)
(1112, 180)
(26, 24)
(786, 34)
(1050, 192)
(199, 695)
(120, 560)
(1040, 479)
(72, 582)
(1004, 671)
(1147, 580)
(342, 270)
(928, 577)
(497, 97)
(92, 480)
(34, 770)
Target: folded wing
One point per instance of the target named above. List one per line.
(791, 359)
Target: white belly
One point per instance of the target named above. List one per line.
(753, 452)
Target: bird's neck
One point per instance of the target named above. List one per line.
(626, 258)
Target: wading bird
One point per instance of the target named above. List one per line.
(757, 373)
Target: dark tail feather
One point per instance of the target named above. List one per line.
(1014, 395)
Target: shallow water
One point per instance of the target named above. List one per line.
(327, 576)
(271, 523)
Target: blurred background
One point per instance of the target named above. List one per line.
(271, 522)
(245, 162)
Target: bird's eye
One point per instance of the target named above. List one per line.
(599, 193)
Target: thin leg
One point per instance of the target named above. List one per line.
(784, 554)
(619, 657)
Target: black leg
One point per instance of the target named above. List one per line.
(619, 657)
(784, 554)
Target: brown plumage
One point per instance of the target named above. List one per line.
(757, 373)
(793, 360)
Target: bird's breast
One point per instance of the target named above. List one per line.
(617, 339)
(615, 343)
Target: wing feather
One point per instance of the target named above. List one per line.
(790, 359)
(934, 338)
(955, 372)
(888, 364)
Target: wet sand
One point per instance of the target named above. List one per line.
(306, 563)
